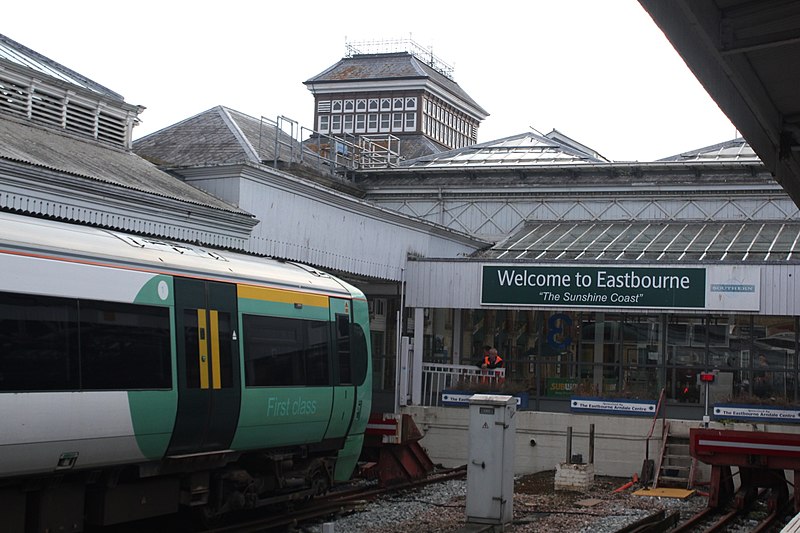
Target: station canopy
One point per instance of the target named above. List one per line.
(651, 242)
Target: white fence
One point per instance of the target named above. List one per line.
(438, 377)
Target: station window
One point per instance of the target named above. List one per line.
(398, 104)
(361, 105)
(324, 123)
(385, 121)
(348, 124)
(373, 104)
(336, 107)
(361, 123)
(282, 351)
(411, 103)
(386, 104)
(67, 344)
(397, 122)
(349, 106)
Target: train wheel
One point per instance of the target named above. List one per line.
(319, 480)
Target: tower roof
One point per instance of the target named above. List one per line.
(389, 67)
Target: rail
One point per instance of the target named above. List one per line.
(438, 377)
(646, 469)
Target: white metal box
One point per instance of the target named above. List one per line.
(490, 464)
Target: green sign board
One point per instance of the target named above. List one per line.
(594, 286)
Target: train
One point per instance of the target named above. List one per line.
(141, 377)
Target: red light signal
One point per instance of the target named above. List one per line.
(707, 377)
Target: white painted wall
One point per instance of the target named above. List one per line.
(619, 440)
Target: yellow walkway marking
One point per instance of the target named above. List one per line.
(665, 492)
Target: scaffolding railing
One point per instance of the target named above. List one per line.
(338, 154)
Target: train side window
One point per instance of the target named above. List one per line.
(124, 346)
(317, 355)
(191, 348)
(225, 358)
(38, 343)
(49, 343)
(359, 353)
(284, 351)
(343, 348)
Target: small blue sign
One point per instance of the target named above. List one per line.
(757, 413)
(460, 398)
(613, 406)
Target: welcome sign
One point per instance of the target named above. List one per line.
(731, 288)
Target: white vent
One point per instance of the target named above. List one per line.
(58, 108)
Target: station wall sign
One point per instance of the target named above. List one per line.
(717, 287)
(756, 413)
(613, 406)
(460, 398)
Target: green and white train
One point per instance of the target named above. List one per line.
(139, 377)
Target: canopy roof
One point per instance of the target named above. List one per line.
(657, 241)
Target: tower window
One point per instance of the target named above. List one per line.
(372, 122)
(411, 121)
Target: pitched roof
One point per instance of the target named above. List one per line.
(389, 66)
(23, 56)
(218, 135)
(23, 142)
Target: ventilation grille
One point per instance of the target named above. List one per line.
(62, 109)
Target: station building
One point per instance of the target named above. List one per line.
(592, 277)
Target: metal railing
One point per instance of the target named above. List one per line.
(437, 377)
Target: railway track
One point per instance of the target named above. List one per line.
(331, 505)
(761, 515)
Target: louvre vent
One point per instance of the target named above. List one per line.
(61, 109)
(13, 97)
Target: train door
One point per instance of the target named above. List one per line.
(344, 391)
(209, 387)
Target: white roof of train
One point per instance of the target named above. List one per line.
(38, 236)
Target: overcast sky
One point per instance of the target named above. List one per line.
(600, 72)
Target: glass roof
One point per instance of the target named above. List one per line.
(25, 57)
(525, 149)
(658, 241)
(736, 150)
